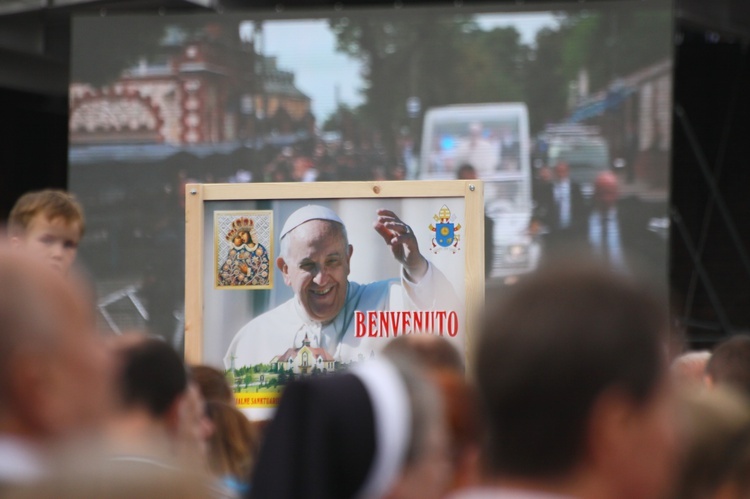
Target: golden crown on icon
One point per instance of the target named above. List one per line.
(240, 225)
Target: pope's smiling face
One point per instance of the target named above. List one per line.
(316, 266)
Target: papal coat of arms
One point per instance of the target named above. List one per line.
(445, 231)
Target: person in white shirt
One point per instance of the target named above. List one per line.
(314, 260)
(605, 232)
(478, 151)
(569, 205)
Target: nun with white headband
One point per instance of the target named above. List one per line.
(375, 431)
(314, 260)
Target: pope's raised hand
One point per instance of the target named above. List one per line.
(403, 243)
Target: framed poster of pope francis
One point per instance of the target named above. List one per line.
(291, 280)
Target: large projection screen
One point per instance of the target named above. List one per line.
(525, 97)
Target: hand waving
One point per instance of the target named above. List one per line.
(403, 243)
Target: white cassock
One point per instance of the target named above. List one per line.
(286, 326)
(482, 154)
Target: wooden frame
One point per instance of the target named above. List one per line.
(211, 313)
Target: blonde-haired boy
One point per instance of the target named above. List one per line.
(48, 224)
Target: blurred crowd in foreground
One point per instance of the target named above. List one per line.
(577, 387)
